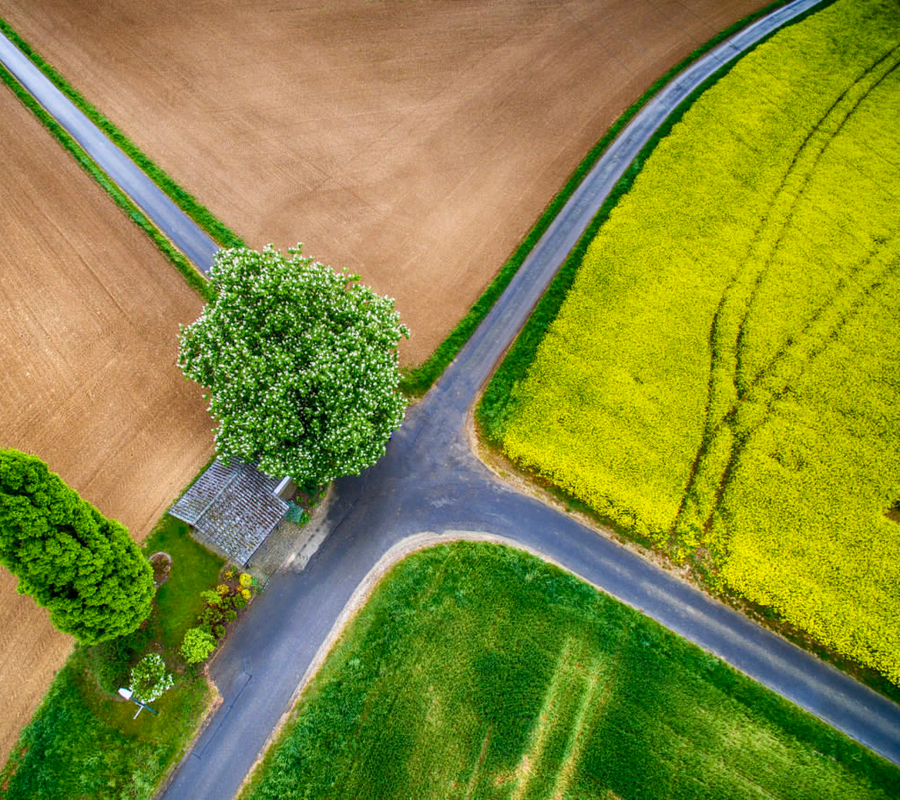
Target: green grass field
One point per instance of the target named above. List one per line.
(82, 742)
(722, 378)
(478, 671)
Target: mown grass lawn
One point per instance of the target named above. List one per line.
(82, 742)
(478, 671)
(721, 380)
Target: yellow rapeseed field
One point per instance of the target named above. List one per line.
(724, 376)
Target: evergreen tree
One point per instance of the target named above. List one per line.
(82, 567)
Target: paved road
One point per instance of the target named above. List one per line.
(430, 481)
(183, 232)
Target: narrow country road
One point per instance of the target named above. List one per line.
(430, 481)
(170, 219)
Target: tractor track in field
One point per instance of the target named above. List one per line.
(430, 480)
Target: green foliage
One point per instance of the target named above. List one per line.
(418, 380)
(82, 741)
(149, 680)
(111, 660)
(297, 514)
(300, 362)
(79, 565)
(735, 404)
(211, 598)
(197, 645)
(477, 671)
(194, 568)
(183, 199)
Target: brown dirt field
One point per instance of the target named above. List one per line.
(412, 142)
(89, 314)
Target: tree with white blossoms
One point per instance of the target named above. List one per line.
(300, 362)
(149, 679)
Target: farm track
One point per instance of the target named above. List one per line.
(431, 481)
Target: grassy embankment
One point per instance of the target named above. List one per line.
(82, 741)
(478, 671)
(720, 379)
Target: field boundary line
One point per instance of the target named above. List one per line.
(106, 183)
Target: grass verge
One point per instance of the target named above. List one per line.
(82, 741)
(418, 380)
(194, 278)
(479, 671)
(220, 232)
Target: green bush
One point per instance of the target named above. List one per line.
(197, 645)
(149, 680)
(211, 598)
(79, 565)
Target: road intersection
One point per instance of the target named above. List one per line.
(431, 481)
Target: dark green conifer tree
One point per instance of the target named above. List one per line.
(82, 567)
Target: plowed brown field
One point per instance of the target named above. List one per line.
(412, 142)
(89, 314)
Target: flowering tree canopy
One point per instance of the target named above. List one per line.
(300, 362)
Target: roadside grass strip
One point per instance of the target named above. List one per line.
(479, 671)
(83, 740)
(175, 257)
(722, 378)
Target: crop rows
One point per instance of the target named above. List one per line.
(723, 377)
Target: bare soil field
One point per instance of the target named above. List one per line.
(412, 142)
(89, 314)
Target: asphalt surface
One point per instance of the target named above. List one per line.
(182, 230)
(429, 480)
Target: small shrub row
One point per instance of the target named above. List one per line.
(221, 608)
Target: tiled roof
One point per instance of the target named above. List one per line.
(232, 509)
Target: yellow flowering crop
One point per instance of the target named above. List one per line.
(724, 375)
